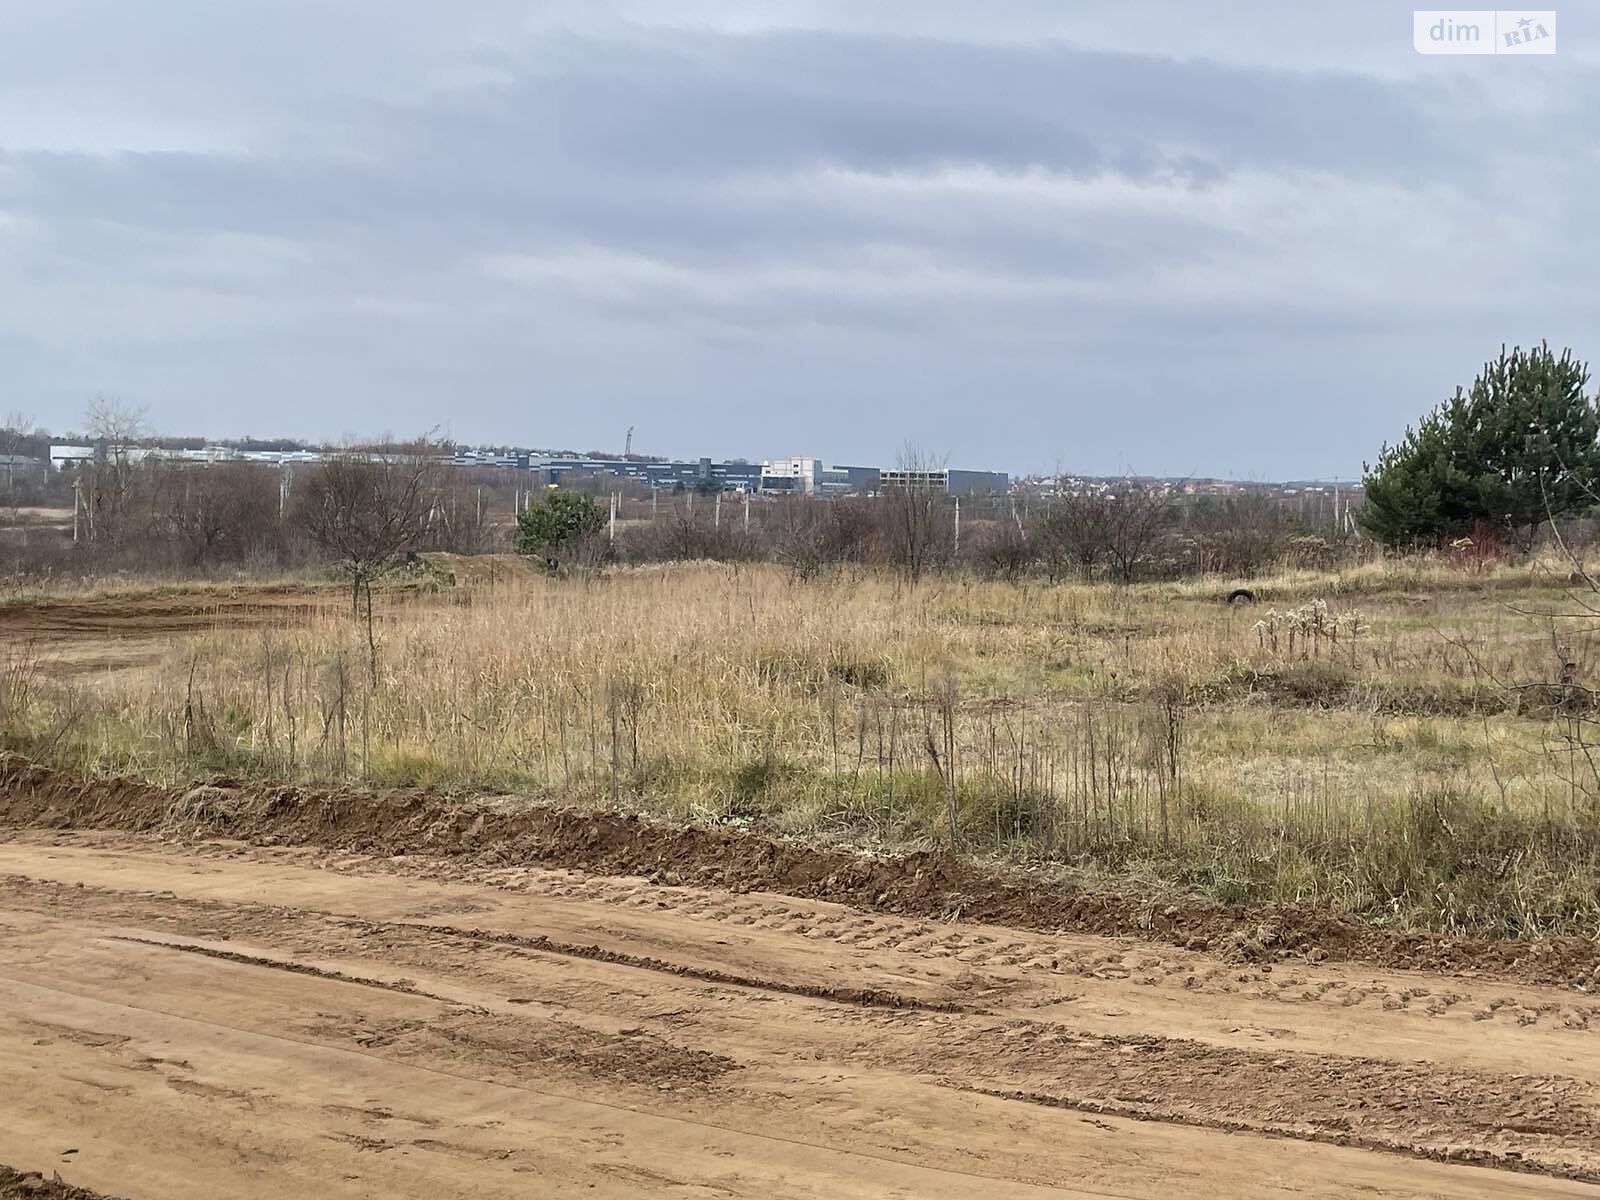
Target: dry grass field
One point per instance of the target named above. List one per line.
(703, 880)
(1403, 741)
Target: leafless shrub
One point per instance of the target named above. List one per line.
(1002, 550)
(810, 536)
(1240, 536)
(1076, 533)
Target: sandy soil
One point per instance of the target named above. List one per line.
(221, 1018)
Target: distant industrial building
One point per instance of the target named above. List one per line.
(700, 475)
(947, 481)
(62, 457)
(486, 458)
(812, 477)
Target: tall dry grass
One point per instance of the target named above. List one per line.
(1148, 732)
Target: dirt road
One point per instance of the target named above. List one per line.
(108, 634)
(223, 1019)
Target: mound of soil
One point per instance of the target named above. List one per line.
(17, 1185)
(924, 884)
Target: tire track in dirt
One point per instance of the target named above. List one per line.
(278, 964)
(1511, 1160)
(506, 1077)
(988, 969)
(156, 615)
(864, 997)
(1289, 982)
(1419, 1109)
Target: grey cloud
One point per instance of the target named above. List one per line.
(820, 237)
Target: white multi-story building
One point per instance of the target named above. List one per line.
(802, 476)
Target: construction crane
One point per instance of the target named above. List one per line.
(627, 445)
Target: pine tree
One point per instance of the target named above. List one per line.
(1520, 446)
(557, 521)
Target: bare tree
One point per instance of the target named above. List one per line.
(217, 511)
(366, 510)
(462, 516)
(1138, 515)
(117, 429)
(917, 522)
(16, 433)
(1076, 533)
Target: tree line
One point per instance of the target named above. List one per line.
(1118, 534)
(1491, 464)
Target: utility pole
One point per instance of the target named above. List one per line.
(612, 535)
(716, 512)
(958, 525)
(77, 505)
(747, 512)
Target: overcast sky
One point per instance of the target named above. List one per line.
(1246, 238)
